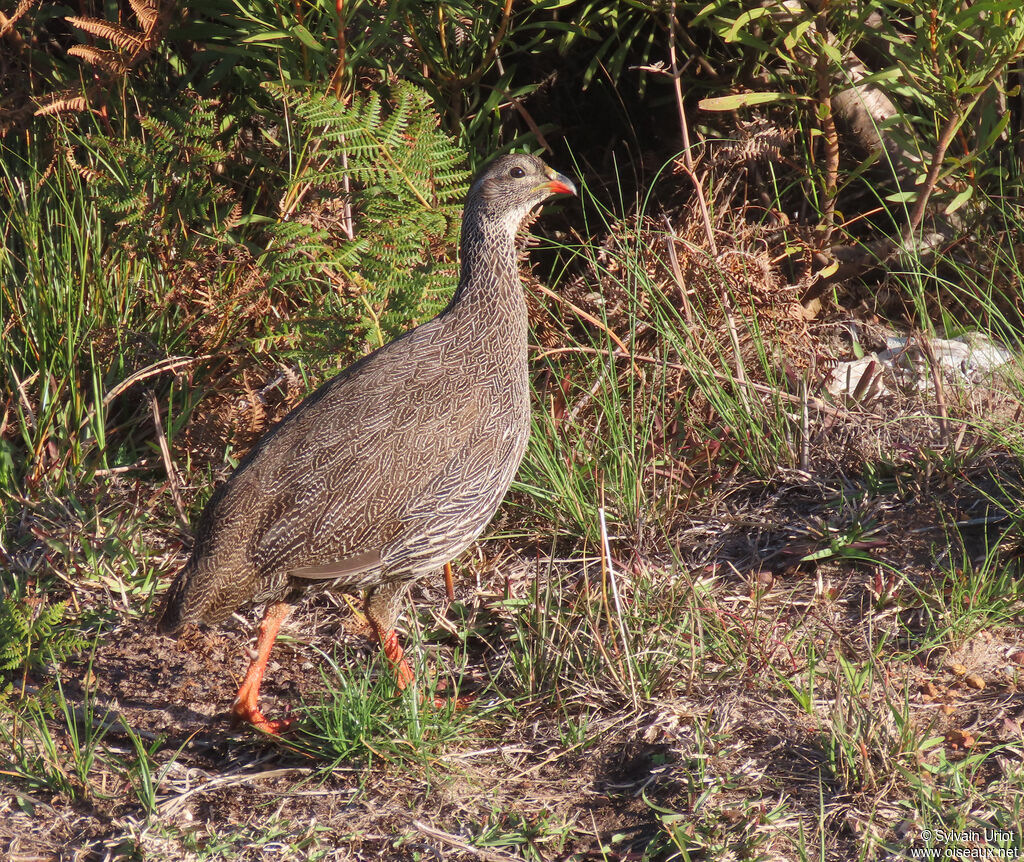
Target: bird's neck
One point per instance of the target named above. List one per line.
(489, 290)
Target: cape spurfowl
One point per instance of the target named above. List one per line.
(393, 467)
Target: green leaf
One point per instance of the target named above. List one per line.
(833, 53)
(259, 38)
(794, 36)
(306, 38)
(960, 200)
(901, 197)
(741, 100)
(732, 34)
(996, 132)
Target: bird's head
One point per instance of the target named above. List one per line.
(511, 187)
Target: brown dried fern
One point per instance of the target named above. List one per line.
(148, 15)
(108, 61)
(7, 24)
(131, 47)
(123, 38)
(234, 217)
(760, 146)
(84, 171)
(62, 102)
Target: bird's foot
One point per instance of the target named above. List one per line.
(458, 702)
(394, 653)
(242, 713)
(404, 677)
(245, 709)
(442, 700)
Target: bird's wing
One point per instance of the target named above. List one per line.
(356, 467)
(348, 568)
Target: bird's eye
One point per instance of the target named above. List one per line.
(518, 173)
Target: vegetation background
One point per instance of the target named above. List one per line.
(757, 591)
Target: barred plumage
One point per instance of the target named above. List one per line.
(394, 466)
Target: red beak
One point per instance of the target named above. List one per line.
(561, 185)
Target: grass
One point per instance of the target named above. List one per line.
(361, 720)
(714, 620)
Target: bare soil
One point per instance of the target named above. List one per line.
(231, 793)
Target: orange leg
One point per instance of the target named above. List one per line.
(246, 705)
(449, 586)
(381, 606)
(394, 653)
(403, 673)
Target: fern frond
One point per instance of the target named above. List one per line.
(62, 103)
(123, 38)
(147, 14)
(84, 171)
(31, 636)
(407, 180)
(233, 218)
(165, 185)
(19, 10)
(109, 61)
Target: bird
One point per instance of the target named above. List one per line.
(390, 469)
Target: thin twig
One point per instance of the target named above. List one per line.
(940, 395)
(960, 438)
(606, 563)
(612, 668)
(347, 220)
(741, 374)
(484, 64)
(144, 464)
(587, 317)
(673, 259)
(816, 403)
(805, 428)
(946, 136)
(531, 124)
(587, 397)
(685, 131)
(337, 77)
(982, 521)
(25, 403)
(165, 453)
(459, 844)
(169, 806)
(831, 142)
(171, 363)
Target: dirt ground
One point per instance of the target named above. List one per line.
(230, 793)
